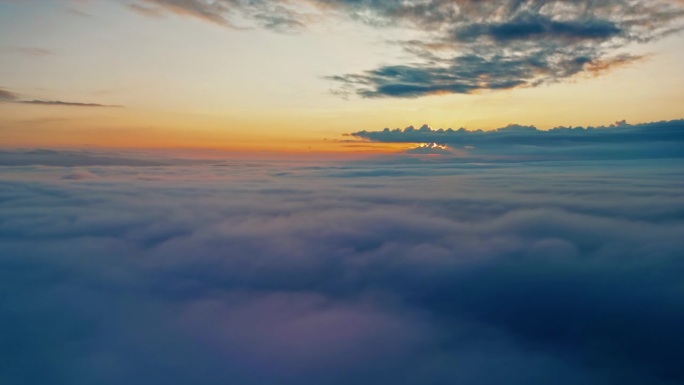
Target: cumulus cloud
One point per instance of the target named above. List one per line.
(430, 149)
(400, 271)
(465, 46)
(620, 140)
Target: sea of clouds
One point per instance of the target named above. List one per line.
(117, 269)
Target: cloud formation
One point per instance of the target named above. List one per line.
(403, 272)
(621, 140)
(29, 51)
(466, 45)
(76, 158)
(68, 104)
(280, 16)
(7, 96)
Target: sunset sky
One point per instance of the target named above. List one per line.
(341, 192)
(297, 75)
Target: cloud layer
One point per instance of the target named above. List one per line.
(8, 96)
(402, 272)
(465, 45)
(621, 140)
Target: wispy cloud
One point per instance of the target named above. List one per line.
(215, 12)
(466, 45)
(493, 45)
(8, 96)
(80, 158)
(145, 10)
(29, 51)
(279, 16)
(68, 104)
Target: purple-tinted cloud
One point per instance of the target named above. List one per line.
(399, 271)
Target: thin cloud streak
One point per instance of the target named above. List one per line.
(67, 104)
(11, 97)
(29, 51)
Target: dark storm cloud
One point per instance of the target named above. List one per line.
(563, 272)
(467, 45)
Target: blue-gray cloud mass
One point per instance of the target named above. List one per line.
(621, 140)
(119, 268)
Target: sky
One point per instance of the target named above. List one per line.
(301, 75)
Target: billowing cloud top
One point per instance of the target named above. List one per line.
(365, 273)
(462, 46)
(517, 134)
(658, 139)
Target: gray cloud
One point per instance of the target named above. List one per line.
(215, 11)
(63, 158)
(278, 16)
(7, 96)
(468, 45)
(400, 271)
(30, 51)
(622, 140)
(145, 11)
(67, 104)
